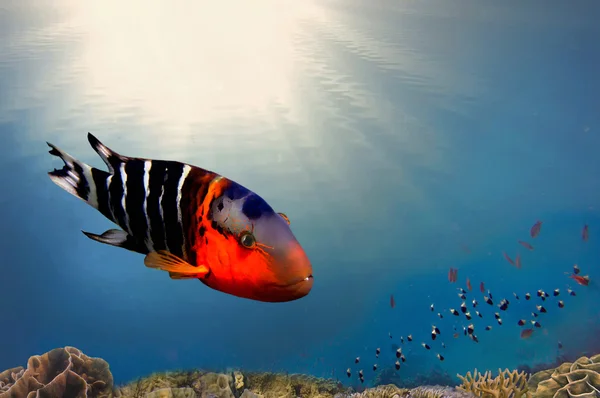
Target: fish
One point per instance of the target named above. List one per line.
(349, 372)
(431, 307)
(443, 345)
(510, 260)
(488, 300)
(470, 329)
(521, 322)
(397, 365)
(434, 332)
(454, 312)
(402, 339)
(581, 280)
(527, 296)
(516, 296)
(474, 337)
(518, 260)
(402, 358)
(462, 296)
(541, 308)
(503, 305)
(561, 304)
(556, 292)
(409, 337)
(440, 357)
(468, 315)
(560, 346)
(377, 352)
(536, 324)
(525, 333)
(452, 275)
(482, 287)
(357, 360)
(585, 233)
(392, 301)
(440, 315)
(474, 303)
(469, 286)
(463, 307)
(426, 346)
(535, 229)
(534, 314)
(398, 352)
(478, 314)
(192, 223)
(526, 245)
(576, 269)
(488, 328)
(390, 334)
(455, 335)
(375, 367)
(571, 292)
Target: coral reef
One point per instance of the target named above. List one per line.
(68, 373)
(580, 378)
(506, 385)
(389, 375)
(62, 372)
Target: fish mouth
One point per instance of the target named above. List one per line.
(309, 278)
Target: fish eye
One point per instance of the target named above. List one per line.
(247, 240)
(286, 218)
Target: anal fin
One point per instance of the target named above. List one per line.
(177, 267)
(119, 238)
(177, 276)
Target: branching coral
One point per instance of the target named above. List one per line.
(506, 385)
(577, 379)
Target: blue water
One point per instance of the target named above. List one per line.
(401, 138)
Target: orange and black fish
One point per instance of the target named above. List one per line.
(585, 233)
(535, 229)
(526, 245)
(192, 223)
(482, 287)
(518, 261)
(469, 284)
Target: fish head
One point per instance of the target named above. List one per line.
(264, 259)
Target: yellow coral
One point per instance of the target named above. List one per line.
(579, 379)
(506, 385)
(387, 391)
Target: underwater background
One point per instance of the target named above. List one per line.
(401, 138)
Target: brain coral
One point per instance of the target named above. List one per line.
(57, 373)
(578, 379)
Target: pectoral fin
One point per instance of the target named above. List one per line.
(177, 267)
(119, 238)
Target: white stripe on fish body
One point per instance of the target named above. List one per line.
(160, 209)
(110, 207)
(126, 227)
(148, 241)
(186, 170)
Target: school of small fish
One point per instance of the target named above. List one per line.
(527, 327)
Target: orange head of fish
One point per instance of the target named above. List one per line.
(250, 249)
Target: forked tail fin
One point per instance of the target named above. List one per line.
(83, 181)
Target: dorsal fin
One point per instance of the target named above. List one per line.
(110, 157)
